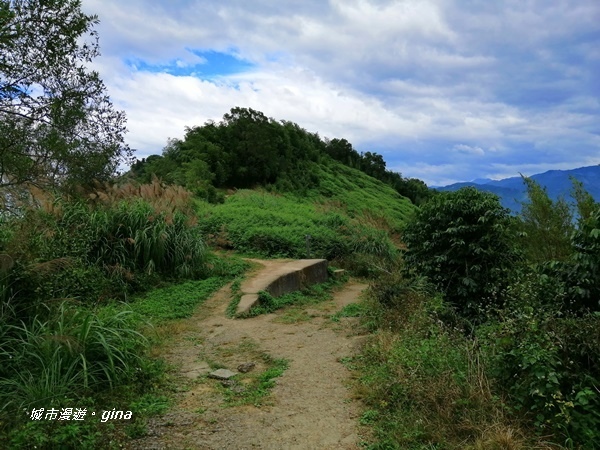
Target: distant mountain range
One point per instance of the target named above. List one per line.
(512, 190)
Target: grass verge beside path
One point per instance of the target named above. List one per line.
(177, 301)
(423, 383)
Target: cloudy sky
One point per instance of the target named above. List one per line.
(445, 90)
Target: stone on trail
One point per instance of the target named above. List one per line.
(222, 374)
(246, 367)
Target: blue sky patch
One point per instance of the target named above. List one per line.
(214, 64)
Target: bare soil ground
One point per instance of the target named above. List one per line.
(311, 405)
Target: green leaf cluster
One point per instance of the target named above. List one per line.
(58, 127)
(463, 242)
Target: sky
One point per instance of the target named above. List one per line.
(445, 90)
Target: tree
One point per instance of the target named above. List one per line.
(341, 150)
(373, 165)
(463, 242)
(252, 137)
(57, 124)
(547, 224)
(584, 201)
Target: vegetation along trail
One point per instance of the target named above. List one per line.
(310, 405)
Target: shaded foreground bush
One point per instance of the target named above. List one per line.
(424, 383)
(535, 319)
(548, 366)
(463, 243)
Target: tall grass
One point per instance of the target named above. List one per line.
(66, 354)
(133, 236)
(424, 383)
(73, 249)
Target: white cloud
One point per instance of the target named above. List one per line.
(510, 82)
(468, 149)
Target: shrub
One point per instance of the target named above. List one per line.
(547, 225)
(549, 367)
(67, 354)
(423, 383)
(462, 241)
(585, 276)
(576, 281)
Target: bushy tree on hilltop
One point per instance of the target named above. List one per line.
(57, 124)
(248, 149)
(547, 225)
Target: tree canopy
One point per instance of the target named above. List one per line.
(248, 148)
(57, 124)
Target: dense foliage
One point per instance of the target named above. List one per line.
(247, 149)
(57, 124)
(539, 343)
(63, 264)
(69, 249)
(547, 225)
(350, 218)
(462, 241)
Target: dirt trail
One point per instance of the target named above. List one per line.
(309, 408)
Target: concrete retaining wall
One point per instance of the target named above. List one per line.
(290, 277)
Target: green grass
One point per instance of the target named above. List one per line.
(351, 217)
(180, 300)
(350, 310)
(76, 358)
(362, 196)
(177, 301)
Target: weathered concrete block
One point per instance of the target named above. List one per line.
(288, 278)
(222, 374)
(246, 302)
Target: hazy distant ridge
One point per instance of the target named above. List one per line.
(558, 183)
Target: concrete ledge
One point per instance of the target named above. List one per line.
(287, 278)
(338, 274)
(246, 302)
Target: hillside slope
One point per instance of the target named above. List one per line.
(350, 217)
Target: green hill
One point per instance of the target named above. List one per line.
(350, 217)
(273, 189)
(247, 149)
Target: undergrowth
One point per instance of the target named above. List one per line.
(268, 225)
(176, 301)
(423, 383)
